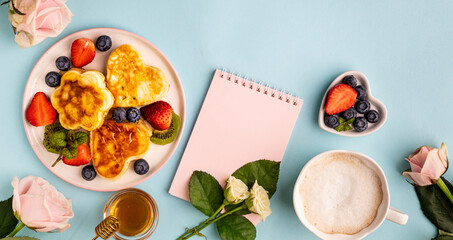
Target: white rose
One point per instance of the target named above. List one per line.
(258, 202)
(236, 191)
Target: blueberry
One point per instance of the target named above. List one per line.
(119, 115)
(53, 79)
(349, 113)
(362, 106)
(372, 116)
(132, 114)
(331, 120)
(361, 92)
(88, 173)
(141, 166)
(350, 80)
(63, 63)
(103, 43)
(360, 124)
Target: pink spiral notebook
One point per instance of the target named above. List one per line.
(240, 121)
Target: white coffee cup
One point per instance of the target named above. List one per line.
(384, 211)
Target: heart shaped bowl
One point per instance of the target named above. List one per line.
(375, 104)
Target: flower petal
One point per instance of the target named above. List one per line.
(443, 154)
(49, 226)
(418, 157)
(433, 168)
(16, 196)
(33, 210)
(418, 178)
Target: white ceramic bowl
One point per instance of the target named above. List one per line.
(375, 103)
(384, 211)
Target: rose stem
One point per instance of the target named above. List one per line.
(17, 229)
(205, 221)
(445, 189)
(217, 219)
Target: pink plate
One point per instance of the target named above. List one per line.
(156, 156)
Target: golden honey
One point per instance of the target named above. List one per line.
(136, 211)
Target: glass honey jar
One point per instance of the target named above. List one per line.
(136, 211)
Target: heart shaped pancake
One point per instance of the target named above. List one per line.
(131, 81)
(114, 145)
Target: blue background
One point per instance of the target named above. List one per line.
(405, 48)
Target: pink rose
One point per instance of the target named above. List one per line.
(427, 165)
(40, 206)
(42, 19)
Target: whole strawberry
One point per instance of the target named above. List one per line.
(82, 52)
(158, 114)
(40, 112)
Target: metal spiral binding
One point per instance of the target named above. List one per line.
(259, 87)
(107, 227)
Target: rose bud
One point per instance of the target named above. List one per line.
(258, 202)
(236, 191)
(427, 165)
(36, 20)
(40, 206)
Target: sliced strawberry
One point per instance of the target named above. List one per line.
(158, 115)
(340, 98)
(82, 52)
(40, 112)
(83, 156)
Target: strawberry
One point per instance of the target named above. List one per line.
(82, 52)
(340, 98)
(158, 115)
(83, 156)
(40, 112)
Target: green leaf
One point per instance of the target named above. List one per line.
(264, 171)
(81, 138)
(49, 130)
(71, 139)
(236, 227)
(58, 139)
(70, 152)
(205, 192)
(19, 238)
(436, 206)
(344, 125)
(7, 219)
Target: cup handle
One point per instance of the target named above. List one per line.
(397, 216)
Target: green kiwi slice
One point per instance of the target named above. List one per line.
(168, 135)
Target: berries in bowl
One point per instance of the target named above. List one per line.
(349, 109)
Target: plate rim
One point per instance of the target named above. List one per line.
(179, 83)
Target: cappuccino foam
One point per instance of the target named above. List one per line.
(341, 194)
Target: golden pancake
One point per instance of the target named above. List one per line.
(114, 145)
(131, 81)
(82, 99)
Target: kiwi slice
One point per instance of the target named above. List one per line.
(168, 135)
